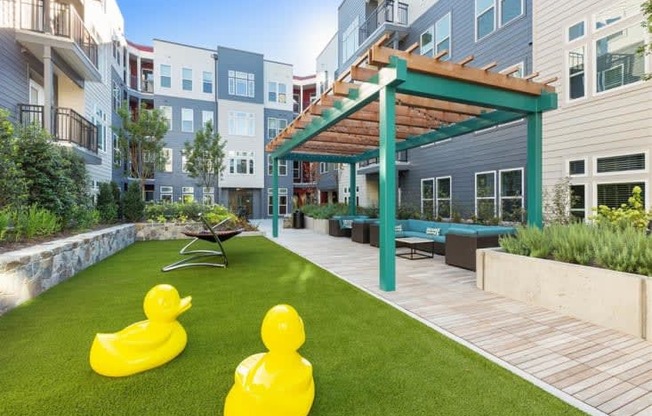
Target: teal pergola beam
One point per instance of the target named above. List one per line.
(534, 192)
(387, 247)
(447, 89)
(352, 190)
(275, 197)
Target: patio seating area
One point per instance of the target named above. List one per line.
(601, 371)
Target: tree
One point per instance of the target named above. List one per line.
(13, 188)
(140, 139)
(205, 157)
(133, 205)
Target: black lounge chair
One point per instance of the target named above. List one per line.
(211, 234)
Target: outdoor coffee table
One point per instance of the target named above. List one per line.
(415, 244)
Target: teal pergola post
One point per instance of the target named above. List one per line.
(352, 190)
(387, 127)
(534, 207)
(275, 197)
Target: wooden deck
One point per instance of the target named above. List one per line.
(598, 370)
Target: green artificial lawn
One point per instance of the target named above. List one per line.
(368, 358)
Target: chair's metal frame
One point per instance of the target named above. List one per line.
(212, 235)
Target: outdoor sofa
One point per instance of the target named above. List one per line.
(340, 225)
(457, 241)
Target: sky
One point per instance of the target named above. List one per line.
(289, 31)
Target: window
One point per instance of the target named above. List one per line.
(187, 120)
(99, 120)
(576, 31)
(444, 191)
(350, 40)
(186, 79)
(184, 162)
(208, 196)
(166, 76)
(242, 84)
(426, 41)
(167, 156)
(427, 197)
(277, 92)
(616, 12)
(187, 194)
(443, 36)
(116, 96)
(623, 163)
(282, 201)
(149, 192)
(207, 82)
(167, 113)
(576, 84)
(614, 195)
(282, 167)
(578, 202)
(117, 153)
(275, 126)
(617, 59)
(516, 71)
(241, 162)
(323, 167)
(485, 18)
(577, 167)
(511, 195)
(485, 195)
(282, 93)
(166, 193)
(242, 123)
(207, 116)
(510, 10)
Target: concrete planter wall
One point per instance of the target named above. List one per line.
(615, 300)
(317, 225)
(26, 273)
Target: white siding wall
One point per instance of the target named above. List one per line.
(241, 143)
(614, 122)
(280, 73)
(368, 191)
(179, 57)
(326, 64)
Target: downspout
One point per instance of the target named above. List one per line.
(215, 118)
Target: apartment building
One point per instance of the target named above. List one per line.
(56, 71)
(601, 134)
(481, 174)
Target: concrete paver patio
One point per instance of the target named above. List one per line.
(599, 370)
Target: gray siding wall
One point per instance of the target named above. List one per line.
(14, 79)
(500, 148)
(117, 173)
(283, 181)
(175, 140)
(346, 14)
(236, 60)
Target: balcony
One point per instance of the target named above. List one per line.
(370, 166)
(69, 126)
(63, 30)
(387, 12)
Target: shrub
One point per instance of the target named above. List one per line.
(626, 250)
(557, 202)
(86, 218)
(35, 222)
(631, 214)
(13, 187)
(325, 211)
(106, 204)
(117, 197)
(572, 243)
(5, 219)
(134, 207)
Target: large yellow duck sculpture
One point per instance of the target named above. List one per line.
(279, 382)
(146, 344)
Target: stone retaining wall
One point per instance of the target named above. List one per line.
(26, 273)
(172, 231)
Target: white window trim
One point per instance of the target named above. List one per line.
(210, 80)
(450, 197)
(626, 172)
(573, 159)
(500, 24)
(629, 180)
(500, 190)
(270, 167)
(161, 75)
(475, 20)
(586, 209)
(186, 79)
(167, 151)
(567, 76)
(431, 49)
(475, 190)
(204, 120)
(270, 196)
(434, 190)
(192, 120)
(521, 66)
(161, 108)
(581, 38)
(449, 37)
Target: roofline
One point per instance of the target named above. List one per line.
(184, 45)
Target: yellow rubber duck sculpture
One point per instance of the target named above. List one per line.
(146, 344)
(279, 382)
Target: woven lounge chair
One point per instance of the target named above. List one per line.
(211, 234)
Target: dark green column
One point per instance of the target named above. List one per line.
(534, 207)
(352, 192)
(387, 126)
(275, 197)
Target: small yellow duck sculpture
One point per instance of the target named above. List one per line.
(279, 382)
(146, 344)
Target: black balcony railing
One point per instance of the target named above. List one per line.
(401, 156)
(385, 13)
(68, 125)
(64, 22)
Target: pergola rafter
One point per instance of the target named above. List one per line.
(392, 100)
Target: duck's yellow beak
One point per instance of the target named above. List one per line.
(184, 305)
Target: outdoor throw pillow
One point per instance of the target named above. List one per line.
(433, 231)
(398, 228)
(347, 223)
